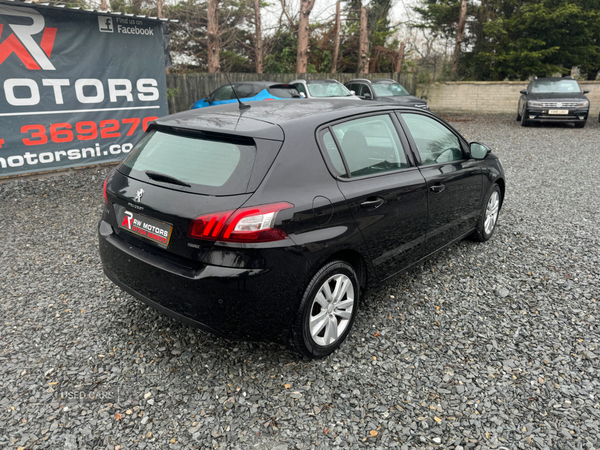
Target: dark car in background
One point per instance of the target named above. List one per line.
(248, 91)
(385, 90)
(270, 222)
(553, 99)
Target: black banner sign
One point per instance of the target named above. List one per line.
(76, 88)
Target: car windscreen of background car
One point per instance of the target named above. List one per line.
(389, 90)
(283, 91)
(328, 90)
(548, 86)
(208, 166)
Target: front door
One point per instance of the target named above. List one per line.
(454, 180)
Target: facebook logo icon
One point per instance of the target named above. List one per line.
(105, 24)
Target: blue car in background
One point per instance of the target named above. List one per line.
(248, 91)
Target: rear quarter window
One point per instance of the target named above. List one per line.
(209, 166)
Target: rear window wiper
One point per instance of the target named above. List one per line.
(166, 178)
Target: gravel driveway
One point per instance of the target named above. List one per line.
(493, 345)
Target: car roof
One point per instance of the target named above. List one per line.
(553, 79)
(327, 81)
(259, 83)
(269, 120)
(375, 81)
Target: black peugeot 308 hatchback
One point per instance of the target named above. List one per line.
(269, 222)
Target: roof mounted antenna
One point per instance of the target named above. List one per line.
(242, 106)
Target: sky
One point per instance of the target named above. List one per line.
(324, 10)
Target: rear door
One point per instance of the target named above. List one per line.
(454, 180)
(385, 191)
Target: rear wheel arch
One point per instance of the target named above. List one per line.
(356, 260)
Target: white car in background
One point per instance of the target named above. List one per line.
(322, 89)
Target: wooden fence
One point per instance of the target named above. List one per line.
(184, 89)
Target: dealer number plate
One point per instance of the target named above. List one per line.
(558, 111)
(144, 226)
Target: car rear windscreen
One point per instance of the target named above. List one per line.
(208, 166)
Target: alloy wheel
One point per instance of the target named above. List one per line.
(331, 310)
(491, 212)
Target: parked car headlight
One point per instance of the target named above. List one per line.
(583, 104)
(534, 104)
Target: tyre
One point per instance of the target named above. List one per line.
(327, 310)
(580, 124)
(518, 114)
(489, 216)
(524, 121)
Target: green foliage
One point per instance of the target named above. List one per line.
(516, 39)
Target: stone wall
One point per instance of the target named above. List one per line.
(488, 97)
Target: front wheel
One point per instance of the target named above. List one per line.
(327, 310)
(489, 216)
(518, 114)
(580, 124)
(524, 121)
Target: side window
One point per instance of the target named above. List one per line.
(435, 143)
(244, 90)
(370, 145)
(301, 88)
(224, 93)
(334, 153)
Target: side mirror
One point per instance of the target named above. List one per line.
(353, 93)
(586, 91)
(302, 94)
(208, 100)
(479, 151)
(367, 96)
(523, 91)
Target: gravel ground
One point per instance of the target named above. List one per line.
(491, 345)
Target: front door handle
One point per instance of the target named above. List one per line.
(437, 188)
(372, 203)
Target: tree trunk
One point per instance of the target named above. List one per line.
(103, 5)
(460, 31)
(258, 43)
(159, 8)
(400, 58)
(336, 38)
(306, 7)
(363, 51)
(592, 74)
(213, 36)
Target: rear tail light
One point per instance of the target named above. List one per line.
(265, 99)
(104, 189)
(252, 224)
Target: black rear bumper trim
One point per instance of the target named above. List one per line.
(162, 309)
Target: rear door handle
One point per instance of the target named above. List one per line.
(437, 188)
(372, 203)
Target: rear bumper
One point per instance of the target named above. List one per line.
(232, 302)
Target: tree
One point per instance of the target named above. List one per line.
(460, 31)
(516, 39)
(212, 31)
(306, 7)
(258, 43)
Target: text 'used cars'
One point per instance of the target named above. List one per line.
(270, 222)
